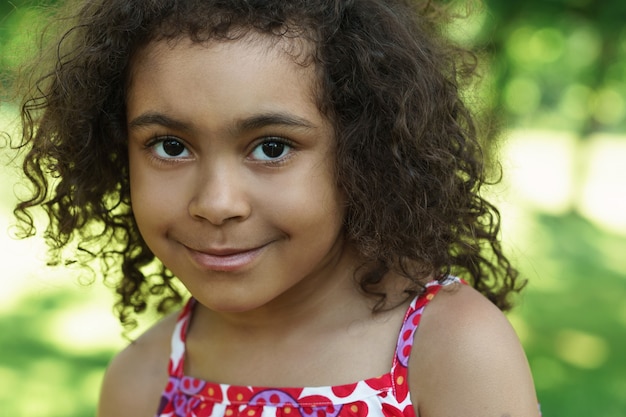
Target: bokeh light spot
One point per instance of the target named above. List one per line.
(574, 103)
(583, 47)
(531, 46)
(517, 44)
(608, 106)
(546, 45)
(522, 96)
(581, 349)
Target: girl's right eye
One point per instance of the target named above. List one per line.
(169, 148)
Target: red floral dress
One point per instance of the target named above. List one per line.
(386, 396)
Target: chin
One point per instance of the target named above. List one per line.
(231, 305)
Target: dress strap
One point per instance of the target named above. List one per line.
(406, 337)
(176, 366)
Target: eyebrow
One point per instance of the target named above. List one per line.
(256, 121)
(154, 118)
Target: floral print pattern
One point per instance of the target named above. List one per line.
(385, 396)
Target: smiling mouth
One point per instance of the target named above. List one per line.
(226, 260)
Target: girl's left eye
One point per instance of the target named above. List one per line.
(270, 150)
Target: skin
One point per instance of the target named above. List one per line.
(255, 233)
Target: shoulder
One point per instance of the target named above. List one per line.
(467, 360)
(135, 378)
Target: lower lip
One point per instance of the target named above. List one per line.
(225, 263)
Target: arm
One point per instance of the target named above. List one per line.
(467, 361)
(135, 378)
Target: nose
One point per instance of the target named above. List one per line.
(219, 195)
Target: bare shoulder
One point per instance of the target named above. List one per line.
(467, 360)
(136, 377)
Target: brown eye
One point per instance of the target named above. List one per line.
(169, 148)
(273, 149)
(172, 147)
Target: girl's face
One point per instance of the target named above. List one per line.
(231, 171)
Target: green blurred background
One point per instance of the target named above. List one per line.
(555, 71)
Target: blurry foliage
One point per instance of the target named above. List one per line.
(558, 63)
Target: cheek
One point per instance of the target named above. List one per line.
(331, 195)
(140, 201)
(152, 198)
(322, 203)
(139, 189)
(135, 186)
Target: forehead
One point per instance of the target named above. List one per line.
(223, 79)
(293, 53)
(296, 49)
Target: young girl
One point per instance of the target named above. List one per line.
(309, 173)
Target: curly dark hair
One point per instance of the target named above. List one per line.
(408, 154)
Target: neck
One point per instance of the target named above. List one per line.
(312, 329)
